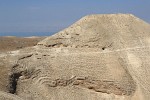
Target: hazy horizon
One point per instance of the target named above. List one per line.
(26, 34)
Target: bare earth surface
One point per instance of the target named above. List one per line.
(10, 43)
(100, 57)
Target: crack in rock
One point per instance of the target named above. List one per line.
(25, 56)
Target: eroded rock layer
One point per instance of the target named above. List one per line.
(100, 57)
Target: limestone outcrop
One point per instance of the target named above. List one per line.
(100, 57)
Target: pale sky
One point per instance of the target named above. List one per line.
(54, 15)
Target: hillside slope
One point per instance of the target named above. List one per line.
(100, 57)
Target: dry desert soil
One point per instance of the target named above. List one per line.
(100, 57)
(10, 43)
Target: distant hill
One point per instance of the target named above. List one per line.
(10, 43)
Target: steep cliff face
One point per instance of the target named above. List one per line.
(100, 57)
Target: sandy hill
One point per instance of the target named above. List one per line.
(98, 31)
(100, 57)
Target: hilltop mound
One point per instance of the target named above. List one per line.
(100, 57)
(102, 31)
